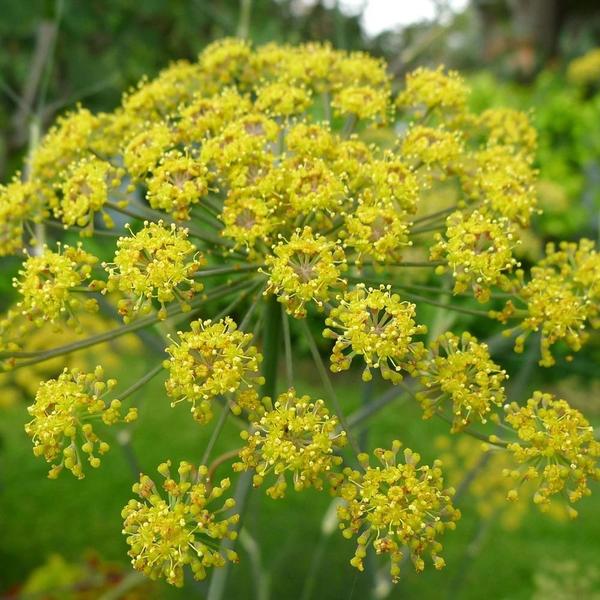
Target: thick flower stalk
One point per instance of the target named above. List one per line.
(167, 535)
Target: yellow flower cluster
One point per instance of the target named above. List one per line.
(562, 295)
(178, 182)
(271, 164)
(433, 90)
(19, 202)
(376, 325)
(459, 370)
(585, 70)
(306, 268)
(47, 281)
(167, 535)
(84, 192)
(156, 262)
(62, 411)
(478, 248)
(397, 507)
(556, 447)
(297, 435)
(211, 360)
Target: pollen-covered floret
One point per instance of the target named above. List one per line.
(47, 281)
(63, 413)
(427, 90)
(439, 150)
(378, 326)
(18, 203)
(157, 262)
(84, 192)
(313, 186)
(562, 296)
(296, 436)
(165, 535)
(213, 359)
(397, 507)
(282, 99)
(362, 102)
(459, 371)
(504, 183)
(478, 249)
(145, 149)
(556, 448)
(177, 183)
(509, 127)
(304, 269)
(376, 232)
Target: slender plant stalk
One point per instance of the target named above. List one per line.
(287, 342)
(271, 341)
(36, 357)
(141, 382)
(314, 350)
(220, 424)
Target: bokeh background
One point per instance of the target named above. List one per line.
(62, 539)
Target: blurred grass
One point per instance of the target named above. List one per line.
(39, 517)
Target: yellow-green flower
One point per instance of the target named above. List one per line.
(213, 359)
(167, 535)
(296, 436)
(63, 413)
(397, 507)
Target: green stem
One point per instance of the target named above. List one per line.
(466, 311)
(227, 270)
(271, 340)
(435, 215)
(36, 357)
(287, 342)
(314, 350)
(215, 433)
(141, 382)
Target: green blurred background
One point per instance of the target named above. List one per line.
(65, 535)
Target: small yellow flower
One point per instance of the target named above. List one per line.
(297, 436)
(562, 297)
(556, 448)
(211, 360)
(427, 90)
(376, 232)
(281, 99)
(178, 182)
(305, 269)
(166, 535)
(62, 411)
(397, 507)
(18, 203)
(157, 262)
(363, 102)
(460, 371)
(145, 149)
(508, 127)
(378, 326)
(85, 191)
(478, 249)
(46, 285)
